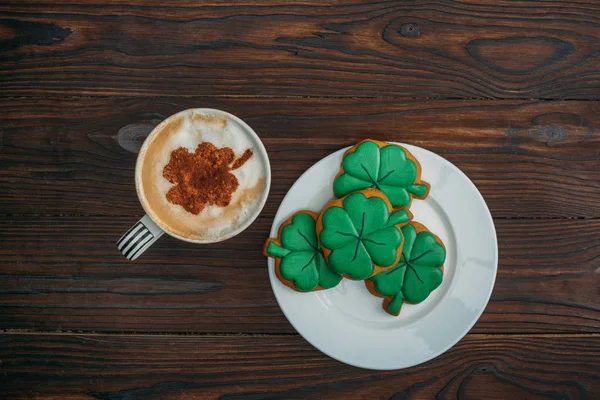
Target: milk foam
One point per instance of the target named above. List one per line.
(188, 129)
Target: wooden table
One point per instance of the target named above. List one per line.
(506, 90)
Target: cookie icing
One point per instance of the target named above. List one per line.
(383, 166)
(417, 274)
(360, 234)
(299, 261)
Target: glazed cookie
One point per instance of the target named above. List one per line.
(299, 261)
(360, 234)
(380, 165)
(419, 272)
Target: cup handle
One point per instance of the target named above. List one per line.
(137, 239)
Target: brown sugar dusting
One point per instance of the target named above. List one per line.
(242, 160)
(247, 196)
(204, 177)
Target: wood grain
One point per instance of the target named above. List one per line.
(476, 49)
(240, 367)
(65, 273)
(529, 159)
(310, 77)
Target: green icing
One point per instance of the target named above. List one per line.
(301, 258)
(277, 251)
(387, 169)
(361, 234)
(417, 274)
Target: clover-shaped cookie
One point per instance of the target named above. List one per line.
(299, 261)
(360, 234)
(419, 272)
(380, 165)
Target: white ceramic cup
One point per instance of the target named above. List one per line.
(147, 231)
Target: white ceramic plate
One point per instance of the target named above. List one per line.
(349, 324)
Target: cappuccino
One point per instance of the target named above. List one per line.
(202, 175)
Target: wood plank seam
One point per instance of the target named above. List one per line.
(503, 218)
(167, 335)
(279, 97)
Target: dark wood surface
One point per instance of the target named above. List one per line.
(505, 90)
(273, 367)
(547, 281)
(528, 158)
(491, 49)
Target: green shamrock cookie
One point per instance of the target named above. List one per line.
(299, 261)
(380, 165)
(360, 234)
(419, 272)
